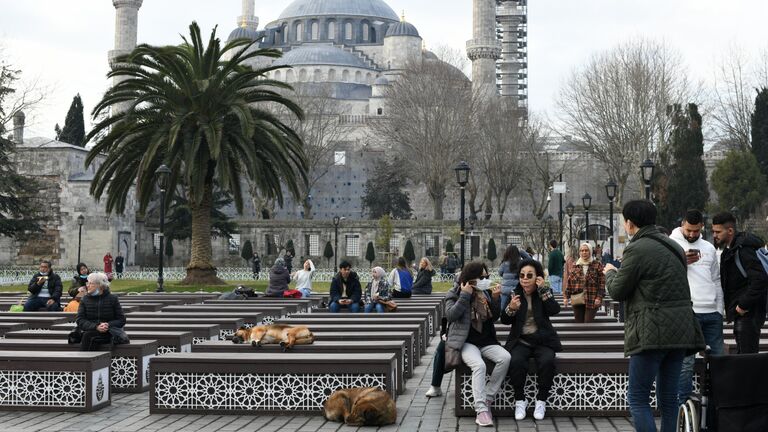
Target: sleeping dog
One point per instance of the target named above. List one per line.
(361, 406)
(287, 336)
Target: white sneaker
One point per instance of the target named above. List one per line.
(538, 412)
(520, 407)
(434, 392)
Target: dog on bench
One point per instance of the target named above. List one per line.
(287, 336)
(361, 406)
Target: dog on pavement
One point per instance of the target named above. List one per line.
(361, 406)
(287, 336)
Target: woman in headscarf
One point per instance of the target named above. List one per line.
(377, 289)
(278, 279)
(586, 286)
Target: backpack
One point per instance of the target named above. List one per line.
(762, 256)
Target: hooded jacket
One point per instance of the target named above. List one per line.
(703, 275)
(278, 281)
(748, 293)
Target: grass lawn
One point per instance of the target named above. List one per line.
(126, 285)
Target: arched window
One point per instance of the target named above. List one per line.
(373, 34)
(358, 77)
(315, 30)
(369, 78)
(285, 33)
(348, 31)
(299, 31)
(302, 75)
(332, 30)
(289, 75)
(345, 76)
(278, 75)
(332, 75)
(365, 31)
(379, 111)
(317, 75)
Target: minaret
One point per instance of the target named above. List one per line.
(248, 19)
(484, 49)
(18, 127)
(126, 27)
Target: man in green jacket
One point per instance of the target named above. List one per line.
(660, 328)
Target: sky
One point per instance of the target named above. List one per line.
(62, 45)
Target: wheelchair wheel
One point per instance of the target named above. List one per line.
(687, 417)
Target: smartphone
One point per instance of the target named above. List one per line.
(694, 251)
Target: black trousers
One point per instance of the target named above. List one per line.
(93, 338)
(438, 364)
(545, 369)
(746, 329)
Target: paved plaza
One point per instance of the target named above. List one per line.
(130, 412)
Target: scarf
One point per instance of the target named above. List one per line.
(584, 263)
(479, 311)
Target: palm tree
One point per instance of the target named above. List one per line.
(207, 119)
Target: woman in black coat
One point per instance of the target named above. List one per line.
(100, 317)
(423, 283)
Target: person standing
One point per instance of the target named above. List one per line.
(660, 328)
(586, 282)
(706, 292)
(288, 258)
(555, 262)
(744, 281)
(45, 290)
(119, 263)
(108, 265)
(256, 265)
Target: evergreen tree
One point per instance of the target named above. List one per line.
(686, 185)
(738, 182)
(491, 250)
(247, 252)
(383, 194)
(370, 254)
(384, 233)
(449, 246)
(328, 252)
(169, 248)
(760, 130)
(178, 222)
(290, 248)
(73, 131)
(408, 253)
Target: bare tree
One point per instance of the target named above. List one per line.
(428, 119)
(538, 169)
(733, 98)
(16, 94)
(616, 104)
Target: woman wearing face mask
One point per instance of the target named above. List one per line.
(100, 317)
(531, 335)
(471, 308)
(77, 289)
(586, 277)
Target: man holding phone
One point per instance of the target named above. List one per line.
(706, 291)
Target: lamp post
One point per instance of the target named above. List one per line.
(462, 178)
(336, 221)
(80, 222)
(646, 170)
(472, 222)
(610, 190)
(586, 201)
(162, 173)
(569, 209)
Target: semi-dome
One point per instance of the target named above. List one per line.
(243, 33)
(382, 80)
(320, 55)
(402, 29)
(366, 8)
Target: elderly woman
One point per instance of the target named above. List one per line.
(586, 286)
(423, 282)
(531, 335)
(471, 309)
(377, 289)
(279, 277)
(100, 317)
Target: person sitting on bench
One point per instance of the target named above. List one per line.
(100, 317)
(345, 289)
(45, 289)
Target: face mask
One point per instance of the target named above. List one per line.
(43, 274)
(95, 293)
(483, 284)
(83, 276)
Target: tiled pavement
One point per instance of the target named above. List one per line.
(130, 412)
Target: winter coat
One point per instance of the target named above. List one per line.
(77, 283)
(542, 310)
(457, 312)
(353, 290)
(748, 293)
(119, 261)
(278, 281)
(509, 274)
(592, 284)
(423, 282)
(95, 310)
(54, 286)
(653, 283)
(256, 265)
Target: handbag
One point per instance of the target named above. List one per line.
(389, 305)
(577, 299)
(75, 336)
(452, 359)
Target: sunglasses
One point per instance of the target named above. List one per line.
(527, 275)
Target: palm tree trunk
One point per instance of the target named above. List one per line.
(200, 270)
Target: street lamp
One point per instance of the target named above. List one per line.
(646, 170)
(80, 222)
(586, 201)
(610, 190)
(462, 178)
(472, 222)
(336, 221)
(569, 209)
(162, 173)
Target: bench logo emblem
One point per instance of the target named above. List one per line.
(100, 389)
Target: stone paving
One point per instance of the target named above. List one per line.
(416, 412)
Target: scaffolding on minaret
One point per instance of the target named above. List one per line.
(512, 67)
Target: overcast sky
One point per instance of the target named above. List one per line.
(64, 43)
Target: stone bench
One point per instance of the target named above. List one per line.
(268, 314)
(200, 332)
(348, 348)
(304, 304)
(420, 315)
(37, 320)
(11, 326)
(128, 367)
(167, 341)
(248, 319)
(227, 326)
(261, 383)
(54, 381)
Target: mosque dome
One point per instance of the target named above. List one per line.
(366, 8)
(243, 33)
(402, 29)
(320, 55)
(382, 80)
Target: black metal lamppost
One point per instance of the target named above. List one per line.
(80, 222)
(610, 190)
(586, 201)
(646, 170)
(162, 173)
(462, 178)
(336, 221)
(569, 209)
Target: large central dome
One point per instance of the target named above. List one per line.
(367, 8)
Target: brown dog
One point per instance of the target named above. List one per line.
(362, 406)
(287, 336)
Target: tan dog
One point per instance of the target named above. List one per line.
(287, 336)
(362, 406)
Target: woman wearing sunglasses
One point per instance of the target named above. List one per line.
(531, 335)
(471, 308)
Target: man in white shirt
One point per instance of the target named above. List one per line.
(706, 290)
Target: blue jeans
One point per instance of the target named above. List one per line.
(556, 283)
(305, 292)
(712, 328)
(378, 306)
(336, 307)
(663, 366)
(35, 303)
